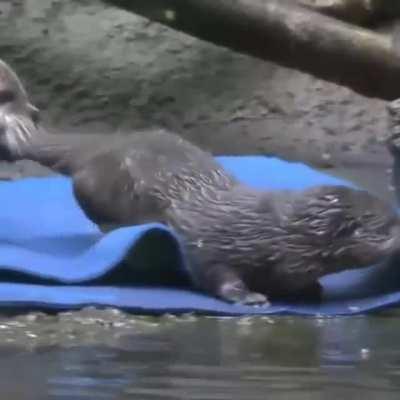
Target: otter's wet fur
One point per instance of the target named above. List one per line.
(241, 244)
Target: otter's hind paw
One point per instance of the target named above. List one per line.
(254, 299)
(236, 292)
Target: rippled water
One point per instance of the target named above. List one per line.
(109, 355)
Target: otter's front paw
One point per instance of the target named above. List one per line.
(235, 292)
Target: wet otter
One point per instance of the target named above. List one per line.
(241, 244)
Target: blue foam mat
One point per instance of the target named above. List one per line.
(52, 257)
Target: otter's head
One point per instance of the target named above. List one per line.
(18, 116)
(351, 228)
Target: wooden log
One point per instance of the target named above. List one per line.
(287, 34)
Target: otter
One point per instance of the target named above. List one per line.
(240, 244)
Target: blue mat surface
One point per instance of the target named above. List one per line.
(52, 257)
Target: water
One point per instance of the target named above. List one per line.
(107, 354)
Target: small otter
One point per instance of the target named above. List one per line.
(241, 244)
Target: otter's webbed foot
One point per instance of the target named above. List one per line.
(225, 283)
(236, 292)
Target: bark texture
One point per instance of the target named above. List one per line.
(288, 34)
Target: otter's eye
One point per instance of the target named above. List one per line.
(6, 96)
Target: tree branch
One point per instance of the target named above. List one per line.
(288, 34)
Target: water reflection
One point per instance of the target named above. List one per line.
(200, 358)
